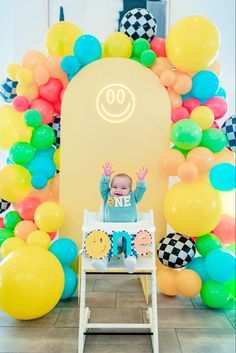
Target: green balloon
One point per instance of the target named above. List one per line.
(21, 153)
(32, 118)
(232, 248)
(5, 234)
(215, 294)
(148, 57)
(11, 219)
(231, 285)
(207, 243)
(186, 134)
(139, 45)
(214, 139)
(184, 152)
(43, 137)
(135, 58)
(230, 305)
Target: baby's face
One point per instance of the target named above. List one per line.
(120, 186)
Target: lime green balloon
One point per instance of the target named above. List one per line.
(184, 152)
(5, 233)
(231, 285)
(186, 134)
(231, 247)
(230, 305)
(43, 137)
(139, 45)
(214, 139)
(11, 219)
(215, 294)
(32, 118)
(207, 243)
(135, 58)
(22, 153)
(148, 57)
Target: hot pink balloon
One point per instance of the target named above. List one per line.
(27, 207)
(215, 125)
(158, 45)
(45, 108)
(218, 105)
(51, 90)
(20, 103)
(179, 113)
(225, 230)
(191, 103)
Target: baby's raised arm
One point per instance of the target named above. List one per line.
(107, 169)
(141, 174)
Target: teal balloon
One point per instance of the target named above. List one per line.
(32, 118)
(186, 134)
(70, 283)
(205, 84)
(42, 165)
(198, 265)
(215, 294)
(49, 153)
(70, 65)
(223, 177)
(220, 265)
(87, 49)
(185, 96)
(65, 250)
(214, 139)
(21, 153)
(39, 181)
(221, 93)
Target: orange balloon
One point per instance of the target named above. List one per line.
(215, 67)
(202, 157)
(175, 99)
(54, 186)
(42, 194)
(187, 171)
(166, 281)
(171, 160)
(41, 75)
(183, 84)
(30, 91)
(161, 65)
(33, 59)
(53, 65)
(225, 156)
(24, 228)
(188, 283)
(167, 78)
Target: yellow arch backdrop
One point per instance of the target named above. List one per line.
(113, 110)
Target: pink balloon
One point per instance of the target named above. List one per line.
(215, 125)
(57, 107)
(225, 230)
(45, 108)
(218, 105)
(158, 45)
(52, 235)
(51, 90)
(1, 222)
(20, 103)
(27, 207)
(179, 113)
(191, 103)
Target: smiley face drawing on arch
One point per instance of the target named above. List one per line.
(115, 103)
(97, 244)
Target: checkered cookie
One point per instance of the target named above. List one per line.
(56, 125)
(229, 128)
(138, 23)
(175, 250)
(8, 90)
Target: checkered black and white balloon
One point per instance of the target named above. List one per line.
(4, 205)
(175, 250)
(8, 90)
(56, 125)
(139, 23)
(229, 127)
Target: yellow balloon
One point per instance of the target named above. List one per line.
(49, 216)
(31, 283)
(61, 37)
(193, 209)
(39, 238)
(12, 70)
(118, 45)
(192, 44)
(12, 127)
(24, 76)
(203, 116)
(11, 244)
(30, 91)
(14, 182)
(56, 158)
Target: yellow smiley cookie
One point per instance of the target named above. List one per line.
(110, 201)
(97, 244)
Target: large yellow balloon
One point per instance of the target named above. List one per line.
(49, 216)
(192, 43)
(193, 209)
(14, 182)
(12, 127)
(118, 45)
(61, 37)
(31, 283)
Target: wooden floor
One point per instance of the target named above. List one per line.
(185, 326)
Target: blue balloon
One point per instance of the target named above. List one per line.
(70, 64)
(205, 84)
(65, 250)
(42, 165)
(221, 93)
(70, 283)
(198, 265)
(39, 181)
(87, 49)
(46, 153)
(223, 177)
(220, 265)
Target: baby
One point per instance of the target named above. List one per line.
(120, 205)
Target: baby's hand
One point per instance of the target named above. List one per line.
(141, 174)
(107, 168)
